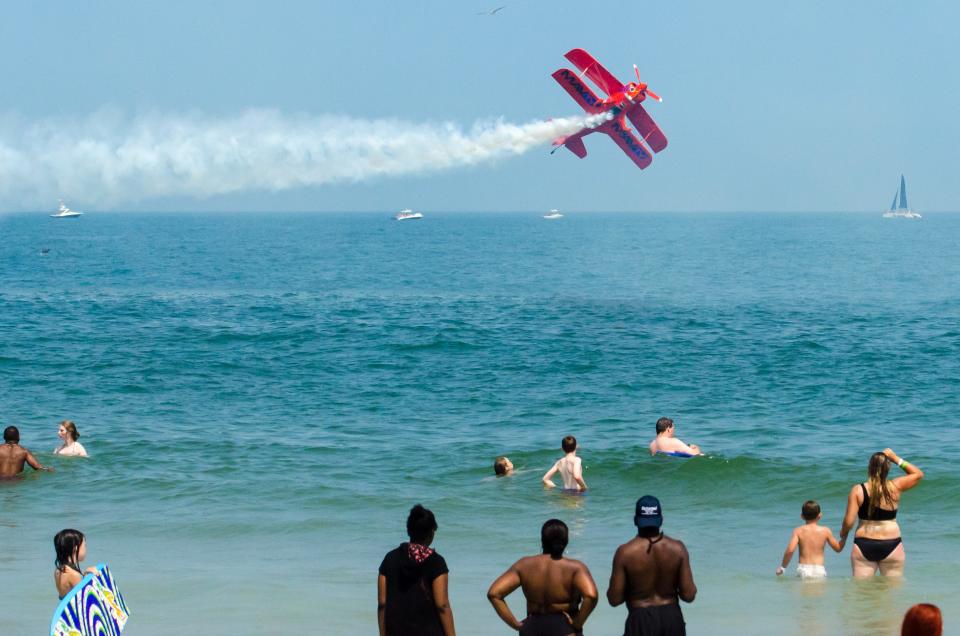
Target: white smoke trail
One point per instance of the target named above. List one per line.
(107, 158)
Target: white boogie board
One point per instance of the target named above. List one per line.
(93, 607)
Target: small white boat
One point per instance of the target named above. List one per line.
(408, 215)
(900, 210)
(65, 213)
(554, 214)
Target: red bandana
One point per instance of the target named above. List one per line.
(418, 553)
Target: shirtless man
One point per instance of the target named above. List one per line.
(570, 468)
(651, 573)
(13, 456)
(665, 442)
(560, 592)
(811, 537)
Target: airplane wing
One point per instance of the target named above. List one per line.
(579, 91)
(628, 142)
(647, 128)
(594, 70)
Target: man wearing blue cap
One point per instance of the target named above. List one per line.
(651, 573)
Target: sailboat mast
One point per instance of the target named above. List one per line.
(903, 194)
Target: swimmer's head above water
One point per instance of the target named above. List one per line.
(68, 432)
(665, 425)
(11, 435)
(502, 466)
(569, 444)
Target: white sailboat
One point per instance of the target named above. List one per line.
(554, 214)
(408, 215)
(65, 213)
(900, 209)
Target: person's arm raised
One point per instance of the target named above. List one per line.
(913, 476)
(499, 590)
(442, 602)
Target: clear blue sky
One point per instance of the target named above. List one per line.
(768, 106)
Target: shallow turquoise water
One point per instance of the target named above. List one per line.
(265, 396)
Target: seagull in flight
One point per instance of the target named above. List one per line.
(493, 11)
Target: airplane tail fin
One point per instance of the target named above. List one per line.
(574, 144)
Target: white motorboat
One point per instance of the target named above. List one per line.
(900, 210)
(65, 213)
(408, 215)
(554, 214)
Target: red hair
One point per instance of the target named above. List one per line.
(923, 619)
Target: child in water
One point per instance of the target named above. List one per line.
(71, 548)
(569, 467)
(811, 537)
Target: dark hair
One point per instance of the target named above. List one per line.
(421, 524)
(923, 619)
(553, 537)
(877, 486)
(569, 444)
(663, 424)
(11, 434)
(500, 466)
(71, 428)
(67, 543)
(810, 510)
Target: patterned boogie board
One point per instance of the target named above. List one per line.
(93, 607)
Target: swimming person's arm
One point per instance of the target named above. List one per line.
(578, 474)
(382, 604)
(499, 590)
(618, 580)
(584, 584)
(850, 516)
(548, 477)
(690, 449)
(34, 464)
(442, 602)
(788, 553)
(913, 476)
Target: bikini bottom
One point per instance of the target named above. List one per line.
(877, 550)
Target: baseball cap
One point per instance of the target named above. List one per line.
(649, 513)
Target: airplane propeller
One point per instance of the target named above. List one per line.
(642, 88)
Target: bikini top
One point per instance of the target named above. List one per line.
(879, 514)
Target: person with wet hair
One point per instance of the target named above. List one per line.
(560, 592)
(502, 467)
(877, 544)
(13, 456)
(412, 584)
(69, 446)
(570, 468)
(651, 574)
(667, 444)
(70, 547)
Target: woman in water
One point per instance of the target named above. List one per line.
(69, 435)
(877, 543)
(71, 549)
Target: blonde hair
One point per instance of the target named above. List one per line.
(71, 428)
(877, 485)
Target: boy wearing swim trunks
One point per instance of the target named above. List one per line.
(811, 537)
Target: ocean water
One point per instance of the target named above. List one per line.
(265, 396)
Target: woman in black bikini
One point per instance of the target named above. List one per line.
(877, 543)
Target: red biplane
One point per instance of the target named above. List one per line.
(622, 103)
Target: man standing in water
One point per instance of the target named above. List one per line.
(560, 592)
(665, 442)
(13, 456)
(651, 573)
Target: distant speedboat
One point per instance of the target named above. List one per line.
(900, 210)
(408, 215)
(554, 214)
(65, 213)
